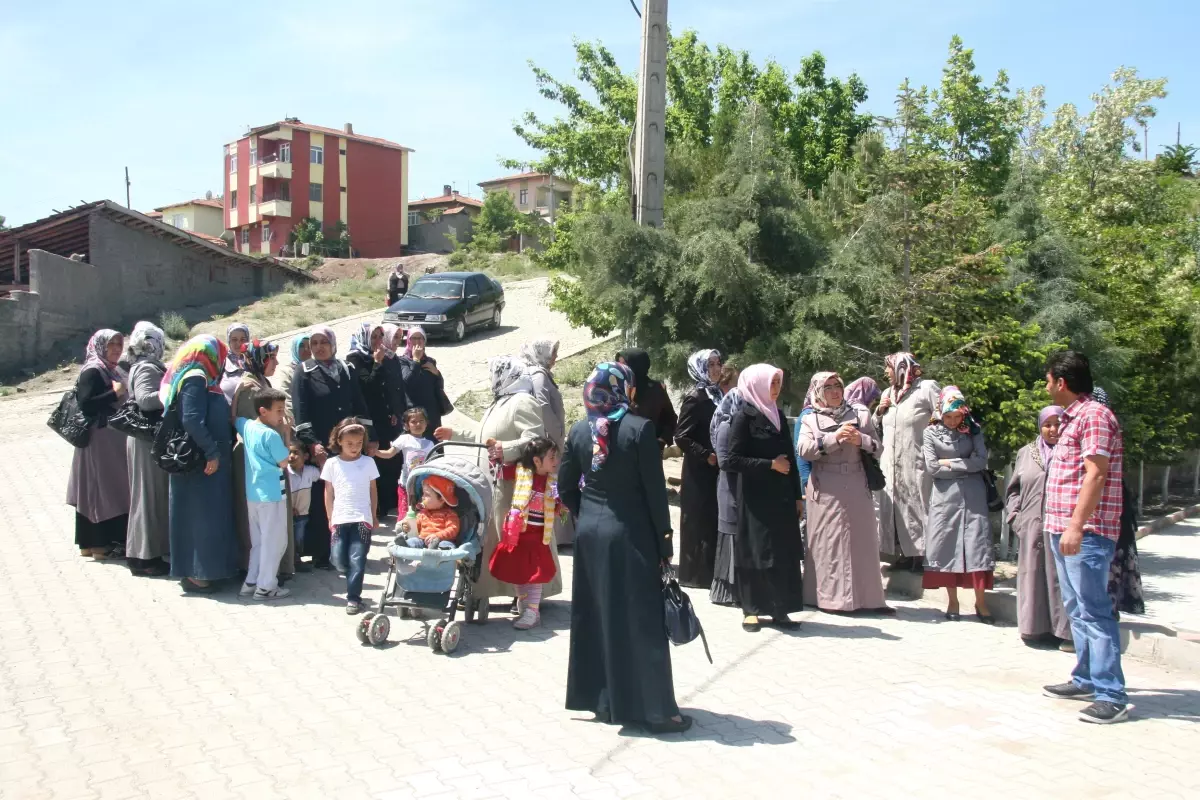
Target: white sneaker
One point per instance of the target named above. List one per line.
(246, 590)
(529, 619)
(273, 594)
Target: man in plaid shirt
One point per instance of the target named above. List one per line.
(1083, 518)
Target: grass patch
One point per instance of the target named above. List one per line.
(473, 403)
(302, 306)
(372, 272)
(174, 325)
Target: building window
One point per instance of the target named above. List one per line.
(266, 235)
(343, 190)
(253, 195)
(285, 190)
(253, 154)
(233, 162)
(414, 218)
(342, 151)
(314, 192)
(233, 199)
(285, 152)
(246, 237)
(316, 154)
(524, 198)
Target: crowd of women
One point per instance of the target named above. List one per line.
(771, 519)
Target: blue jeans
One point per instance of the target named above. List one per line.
(348, 551)
(1084, 581)
(299, 526)
(419, 544)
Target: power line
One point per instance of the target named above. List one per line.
(636, 10)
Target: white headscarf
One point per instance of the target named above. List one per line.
(508, 377)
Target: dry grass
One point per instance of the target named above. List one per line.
(300, 306)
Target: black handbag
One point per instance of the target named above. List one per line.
(875, 479)
(683, 625)
(68, 420)
(174, 450)
(130, 420)
(994, 501)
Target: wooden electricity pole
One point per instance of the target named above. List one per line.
(127, 203)
(650, 148)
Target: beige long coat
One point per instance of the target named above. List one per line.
(904, 504)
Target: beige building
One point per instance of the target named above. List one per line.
(538, 192)
(204, 216)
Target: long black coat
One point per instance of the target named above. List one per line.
(698, 494)
(620, 662)
(382, 388)
(768, 528)
(319, 403)
(424, 389)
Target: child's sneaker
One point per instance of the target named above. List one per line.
(529, 618)
(247, 590)
(272, 594)
(354, 607)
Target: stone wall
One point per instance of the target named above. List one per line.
(430, 236)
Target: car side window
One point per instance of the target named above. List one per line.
(474, 285)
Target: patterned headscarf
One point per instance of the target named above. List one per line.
(755, 386)
(360, 342)
(539, 352)
(389, 334)
(730, 404)
(816, 393)
(904, 372)
(199, 355)
(256, 356)
(1100, 396)
(950, 400)
(96, 354)
(147, 342)
(698, 370)
(508, 376)
(297, 343)
(236, 357)
(416, 330)
(1044, 447)
(862, 392)
(606, 399)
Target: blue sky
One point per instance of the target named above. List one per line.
(90, 88)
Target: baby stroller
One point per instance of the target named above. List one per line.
(436, 579)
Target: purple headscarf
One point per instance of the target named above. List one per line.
(1045, 447)
(862, 392)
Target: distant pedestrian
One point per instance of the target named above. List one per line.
(349, 478)
(1083, 517)
(265, 456)
(397, 285)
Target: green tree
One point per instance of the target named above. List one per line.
(1177, 159)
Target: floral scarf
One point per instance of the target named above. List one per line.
(508, 377)
(950, 400)
(147, 342)
(816, 393)
(755, 386)
(730, 404)
(256, 356)
(697, 366)
(96, 354)
(518, 515)
(539, 352)
(201, 355)
(606, 399)
(360, 342)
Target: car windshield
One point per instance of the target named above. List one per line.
(437, 290)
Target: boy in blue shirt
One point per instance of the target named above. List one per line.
(265, 455)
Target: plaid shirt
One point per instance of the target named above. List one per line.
(1088, 429)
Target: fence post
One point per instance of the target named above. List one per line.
(1141, 487)
(1166, 493)
(1005, 533)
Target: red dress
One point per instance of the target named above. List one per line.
(526, 560)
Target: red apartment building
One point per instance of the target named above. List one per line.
(278, 174)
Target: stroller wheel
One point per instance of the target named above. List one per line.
(451, 636)
(434, 637)
(362, 626)
(378, 629)
(481, 610)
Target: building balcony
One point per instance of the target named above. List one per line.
(272, 167)
(275, 208)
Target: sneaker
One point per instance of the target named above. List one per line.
(272, 594)
(1068, 691)
(1103, 712)
(353, 607)
(247, 590)
(529, 618)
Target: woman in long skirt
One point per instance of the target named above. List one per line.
(698, 493)
(1041, 616)
(958, 535)
(723, 591)
(98, 486)
(149, 534)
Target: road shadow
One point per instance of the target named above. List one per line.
(1153, 564)
(473, 337)
(1177, 704)
(730, 730)
(813, 628)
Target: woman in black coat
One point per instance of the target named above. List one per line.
(382, 388)
(649, 398)
(767, 547)
(324, 394)
(698, 493)
(424, 386)
(620, 662)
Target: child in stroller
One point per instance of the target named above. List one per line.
(436, 525)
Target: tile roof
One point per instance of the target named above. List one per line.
(447, 198)
(524, 176)
(156, 214)
(304, 126)
(202, 201)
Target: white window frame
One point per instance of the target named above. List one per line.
(316, 154)
(253, 154)
(265, 235)
(523, 197)
(285, 152)
(233, 199)
(246, 236)
(414, 218)
(233, 162)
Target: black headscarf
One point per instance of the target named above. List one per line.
(638, 362)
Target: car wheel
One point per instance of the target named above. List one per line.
(460, 330)
(496, 318)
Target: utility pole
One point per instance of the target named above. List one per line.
(127, 203)
(650, 150)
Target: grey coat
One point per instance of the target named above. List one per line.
(958, 536)
(1039, 600)
(148, 534)
(904, 503)
(549, 398)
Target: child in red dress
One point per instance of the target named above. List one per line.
(523, 556)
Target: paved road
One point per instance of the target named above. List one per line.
(116, 687)
(1170, 562)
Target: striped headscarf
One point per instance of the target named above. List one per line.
(96, 354)
(606, 400)
(698, 370)
(200, 355)
(905, 369)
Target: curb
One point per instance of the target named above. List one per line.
(1159, 644)
(1170, 519)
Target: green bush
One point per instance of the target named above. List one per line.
(174, 325)
(310, 292)
(372, 272)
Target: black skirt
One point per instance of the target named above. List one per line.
(771, 592)
(106, 533)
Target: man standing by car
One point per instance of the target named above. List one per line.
(1083, 517)
(397, 284)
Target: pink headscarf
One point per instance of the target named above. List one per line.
(754, 384)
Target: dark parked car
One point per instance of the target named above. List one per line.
(449, 304)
